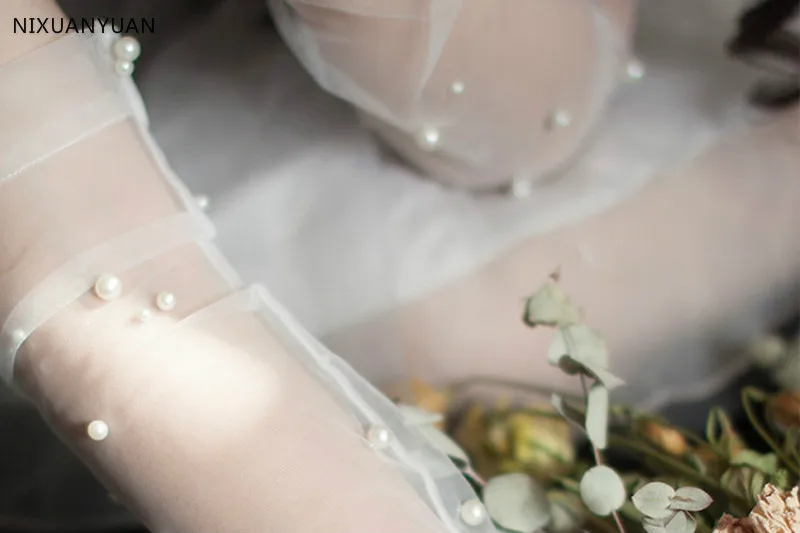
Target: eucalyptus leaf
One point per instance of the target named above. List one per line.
(682, 522)
(597, 415)
(567, 512)
(653, 500)
(602, 490)
(579, 348)
(568, 412)
(551, 306)
(767, 463)
(517, 502)
(656, 525)
(690, 499)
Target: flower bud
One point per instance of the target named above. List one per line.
(668, 439)
(783, 410)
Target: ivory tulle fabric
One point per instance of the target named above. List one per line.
(673, 224)
(222, 413)
(494, 83)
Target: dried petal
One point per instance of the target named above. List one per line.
(777, 511)
(729, 524)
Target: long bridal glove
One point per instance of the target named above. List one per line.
(200, 404)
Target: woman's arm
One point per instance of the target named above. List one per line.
(200, 404)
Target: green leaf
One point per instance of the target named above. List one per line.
(690, 499)
(597, 415)
(653, 500)
(602, 490)
(568, 412)
(782, 479)
(681, 523)
(550, 306)
(567, 512)
(586, 352)
(767, 463)
(517, 502)
(744, 481)
(677, 522)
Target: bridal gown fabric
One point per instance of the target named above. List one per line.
(200, 403)
(372, 258)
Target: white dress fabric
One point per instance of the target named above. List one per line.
(305, 198)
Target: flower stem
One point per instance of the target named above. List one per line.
(598, 459)
(749, 394)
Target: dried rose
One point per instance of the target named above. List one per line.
(783, 410)
(668, 439)
(776, 511)
(729, 524)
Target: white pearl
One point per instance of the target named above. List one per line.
(457, 87)
(635, 69)
(127, 48)
(521, 187)
(144, 315)
(379, 437)
(97, 430)
(560, 119)
(123, 68)
(166, 301)
(429, 138)
(202, 201)
(18, 336)
(108, 287)
(472, 512)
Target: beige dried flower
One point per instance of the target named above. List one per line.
(777, 511)
(729, 524)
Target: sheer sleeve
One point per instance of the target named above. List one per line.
(472, 93)
(200, 403)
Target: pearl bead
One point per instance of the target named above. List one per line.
(97, 430)
(108, 287)
(379, 437)
(429, 138)
(560, 119)
(17, 336)
(472, 513)
(521, 188)
(635, 70)
(202, 201)
(123, 68)
(166, 301)
(457, 87)
(144, 315)
(127, 49)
